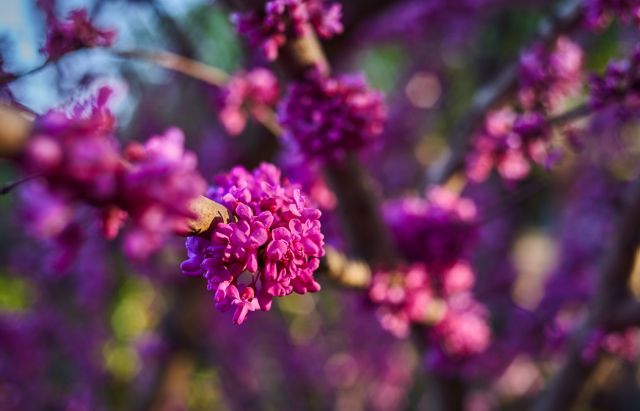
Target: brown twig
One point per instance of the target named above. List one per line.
(7, 188)
(570, 115)
(171, 61)
(199, 71)
(7, 78)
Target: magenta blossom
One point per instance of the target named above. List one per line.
(403, 297)
(547, 78)
(618, 86)
(454, 322)
(509, 142)
(76, 151)
(599, 13)
(463, 331)
(78, 158)
(271, 249)
(255, 92)
(622, 343)
(75, 33)
(156, 190)
(270, 28)
(329, 117)
(436, 230)
(459, 338)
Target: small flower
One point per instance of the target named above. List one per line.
(547, 78)
(270, 250)
(76, 151)
(77, 32)
(463, 332)
(77, 159)
(436, 230)
(403, 297)
(156, 189)
(255, 93)
(508, 142)
(599, 13)
(268, 29)
(618, 86)
(329, 117)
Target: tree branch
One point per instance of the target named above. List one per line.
(16, 128)
(175, 62)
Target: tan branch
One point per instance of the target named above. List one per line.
(15, 128)
(171, 61)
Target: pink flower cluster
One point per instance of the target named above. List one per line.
(403, 297)
(548, 78)
(497, 145)
(269, 29)
(599, 13)
(618, 86)
(329, 117)
(463, 333)
(443, 302)
(623, 344)
(79, 161)
(77, 32)
(255, 92)
(434, 233)
(436, 230)
(510, 140)
(270, 250)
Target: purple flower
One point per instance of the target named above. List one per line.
(76, 151)
(508, 142)
(77, 156)
(459, 338)
(329, 117)
(403, 297)
(270, 250)
(268, 29)
(255, 93)
(156, 190)
(455, 324)
(618, 86)
(623, 344)
(547, 78)
(437, 230)
(77, 32)
(599, 13)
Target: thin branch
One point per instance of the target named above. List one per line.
(7, 188)
(563, 19)
(570, 115)
(7, 78)
(189, 67)
(199, 71)
(349, 273)
(524, 194)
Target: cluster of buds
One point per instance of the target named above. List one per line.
(78, 162)
(269, 29)
(271, 249)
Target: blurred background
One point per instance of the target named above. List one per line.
(109, 334)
